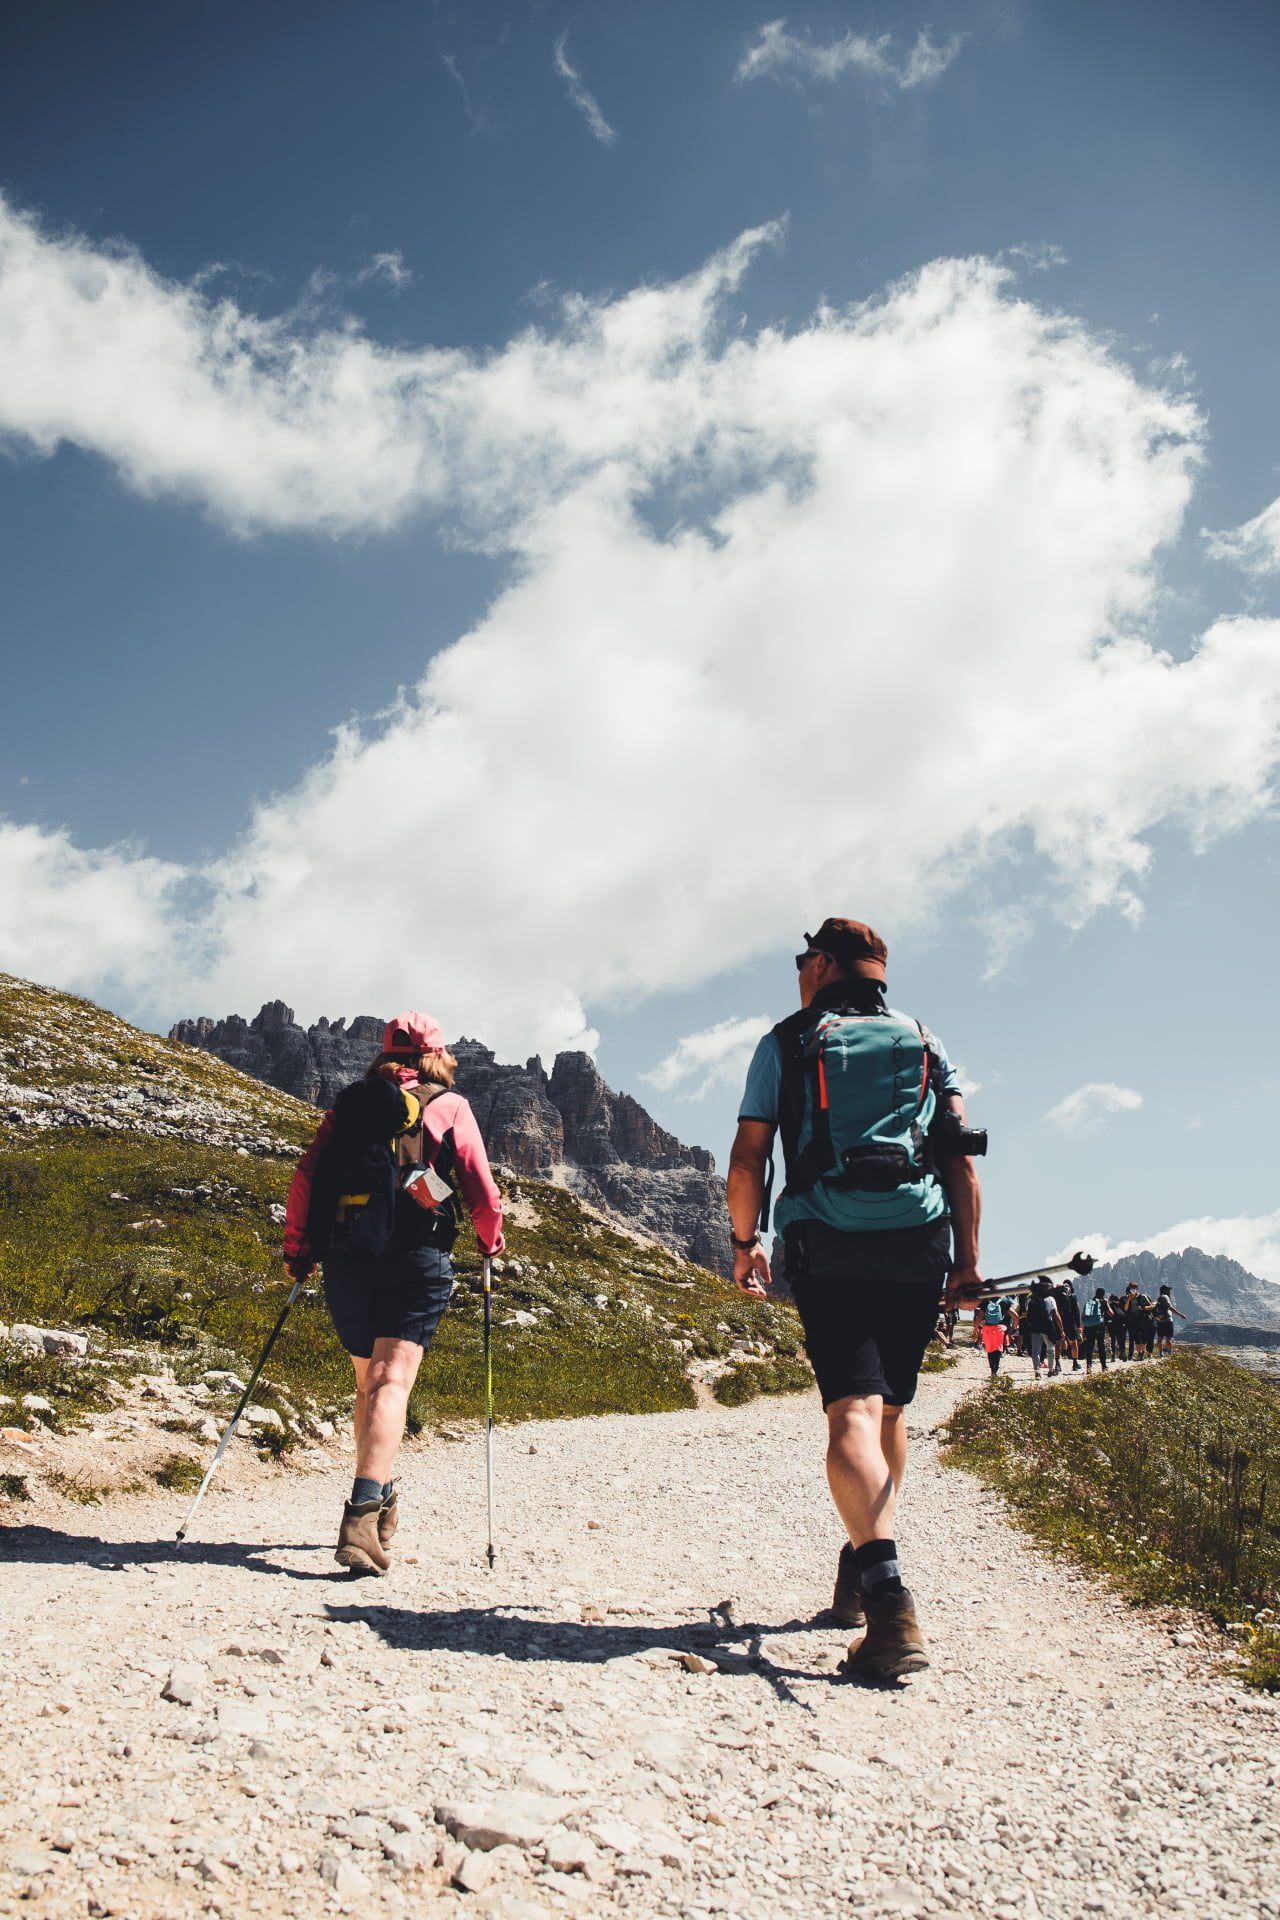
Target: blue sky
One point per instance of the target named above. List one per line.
(738, 615)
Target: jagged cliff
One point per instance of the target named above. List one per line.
(1206, 1286)
(567, 1127)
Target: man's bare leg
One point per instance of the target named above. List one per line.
(861, 1478)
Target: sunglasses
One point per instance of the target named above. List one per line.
(813, 953)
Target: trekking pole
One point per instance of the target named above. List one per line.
(225, 1441)
(1081, 1263)
(487, 1270)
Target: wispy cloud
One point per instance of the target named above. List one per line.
(585, 102)
(1090, 1106)
(450, 64)
(777, 53)
(718, 1056)
(1255, 546)
(389, 267)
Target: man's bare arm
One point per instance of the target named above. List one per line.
(745, 1184)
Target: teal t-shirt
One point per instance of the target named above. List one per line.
(914, 1205)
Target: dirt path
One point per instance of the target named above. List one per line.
(1061, 1757)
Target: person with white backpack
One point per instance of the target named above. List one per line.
(880, 1181)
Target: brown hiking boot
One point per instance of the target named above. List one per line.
(892, 1644)
(358, 1544)
(388, 1518)
(846, 1602)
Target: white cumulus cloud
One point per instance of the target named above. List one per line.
(929, 527)
(718, 1056)
(1090, 1106)
(778, 52)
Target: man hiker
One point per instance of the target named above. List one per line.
(1162, 1318)
(372, 1198)
(1097, 1317)
(1043, 1326)
(1069, 1313)
(879, 1177)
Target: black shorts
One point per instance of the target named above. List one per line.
(869, 1303)
(388, 1296)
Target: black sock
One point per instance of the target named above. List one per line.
(878, 1569)
(364, 1491)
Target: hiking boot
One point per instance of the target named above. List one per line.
(358, 1544)
(846, 1603)
(388, 1518)
(892, 1644)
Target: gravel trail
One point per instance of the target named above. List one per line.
(331, 1745)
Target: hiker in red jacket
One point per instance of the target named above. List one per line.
(386, 1304)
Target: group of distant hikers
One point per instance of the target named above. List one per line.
(1048, 1325)
(878, 1216)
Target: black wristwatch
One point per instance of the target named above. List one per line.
(744, 1246)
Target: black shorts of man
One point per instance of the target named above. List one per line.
(880, 1177)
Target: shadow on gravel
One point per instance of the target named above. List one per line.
(45, 1546)
(504, 1633)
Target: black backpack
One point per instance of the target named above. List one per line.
(356, 1193)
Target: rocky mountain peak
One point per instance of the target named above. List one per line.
(568, 1126)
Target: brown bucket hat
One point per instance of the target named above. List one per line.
(853, 945)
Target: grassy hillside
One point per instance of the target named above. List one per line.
(1166, 1477)
(141, 1197)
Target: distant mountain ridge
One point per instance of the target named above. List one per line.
(567, 1127)
(1206, 1286)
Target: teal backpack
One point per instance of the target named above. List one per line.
(993, 1314)
(857, 1100)
(1095, 1314)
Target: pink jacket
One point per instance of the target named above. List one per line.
(447, 1117)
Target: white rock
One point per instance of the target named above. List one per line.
(61, 1341)
(242, 1716)
(262, 1417)
(409, 1851)
(27, 1860)
(185, 1683)
(473, 1872)
(343, 1876)
(639, 1866)
(619, 1836)
(510, 1820)
(568, 1852)
(27, 1339)
(545, 1774)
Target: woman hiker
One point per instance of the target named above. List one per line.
(386, 1305)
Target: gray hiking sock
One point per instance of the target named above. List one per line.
(364, 1492)
(878, 1568)
(388, 1488)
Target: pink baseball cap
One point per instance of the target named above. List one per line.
(425, 1034)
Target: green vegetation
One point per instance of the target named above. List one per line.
(71, 1390)
(179, 1473)
(1166, 1477)
(173, 1242)
(750, 1378)
(13, 1486)
(939, 1359)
